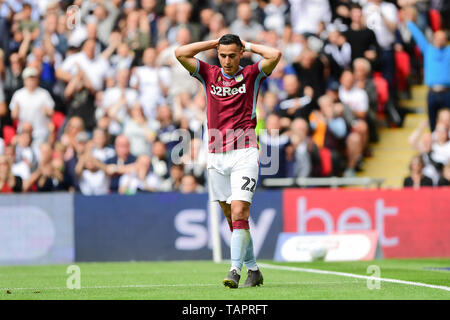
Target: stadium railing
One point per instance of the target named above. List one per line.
(332, 182)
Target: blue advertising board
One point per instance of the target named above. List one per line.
(164, 226)
(36, 229)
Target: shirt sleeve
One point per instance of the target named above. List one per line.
(49, 100)
(418, 36)
(14, 102)
(203, 73)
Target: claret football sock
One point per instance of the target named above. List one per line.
(240, 239)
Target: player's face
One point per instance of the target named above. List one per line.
(229, 57)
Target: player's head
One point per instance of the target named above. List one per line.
(230, 52)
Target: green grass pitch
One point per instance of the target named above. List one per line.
(201, 280)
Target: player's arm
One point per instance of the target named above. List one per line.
(185, 54)
(271, 56)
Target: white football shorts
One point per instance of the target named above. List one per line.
(233, 175)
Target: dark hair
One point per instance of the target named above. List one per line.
(230, 39)
(355, 6)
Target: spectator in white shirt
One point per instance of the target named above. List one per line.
(338, 50)
(151, 81)
(307, 14)
(23, 149)
(117, 101)
(141, 179)
(357, 100)
(382, 18)
(354, 97)
(93, 179)
(95, 67)
(34, 105)
(275, 16)
(440, 149)
(100, 149)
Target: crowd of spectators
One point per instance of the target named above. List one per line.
(91, 95)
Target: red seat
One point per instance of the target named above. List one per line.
(326, 162)
(382, 91)
(8, 134)
(435, 20)
(58, 119)
(402, 69)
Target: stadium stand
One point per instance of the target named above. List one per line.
(74, 70)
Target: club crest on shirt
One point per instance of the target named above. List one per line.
(239, 78)
(219, 78)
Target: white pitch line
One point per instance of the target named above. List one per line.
(351, 275)
(114, 287)
(169, 285)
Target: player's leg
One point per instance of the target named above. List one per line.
(226, 208)
(249, 258)
(244, 176)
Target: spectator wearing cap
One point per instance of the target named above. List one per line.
(34, 105)
(436, 69)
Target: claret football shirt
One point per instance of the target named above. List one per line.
(231, 105)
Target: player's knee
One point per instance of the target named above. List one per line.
(240, 210)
